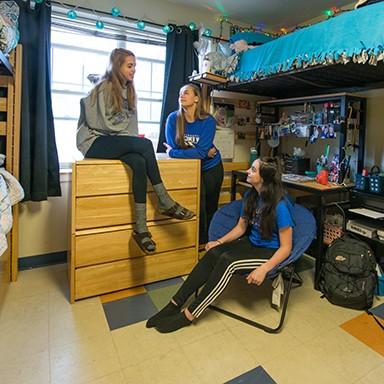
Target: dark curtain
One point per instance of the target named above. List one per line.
(180, 61)
(39, 164)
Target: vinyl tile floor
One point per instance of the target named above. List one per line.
(103, 340)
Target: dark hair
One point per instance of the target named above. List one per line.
(116, 81)
(271, 193)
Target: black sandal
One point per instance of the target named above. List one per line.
(178, 212)
(145, 242)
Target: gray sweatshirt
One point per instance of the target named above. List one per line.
(98, 119)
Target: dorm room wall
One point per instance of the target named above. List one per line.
(43, 227)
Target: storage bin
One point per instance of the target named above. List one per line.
(331, 232)
(376, 180)
(376, 184)
(362, 182)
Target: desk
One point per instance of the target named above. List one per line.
(319, 192)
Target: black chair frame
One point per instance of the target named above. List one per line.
(290, 277)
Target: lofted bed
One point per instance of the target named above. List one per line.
(343, 53)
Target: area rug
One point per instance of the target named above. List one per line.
(365, 328)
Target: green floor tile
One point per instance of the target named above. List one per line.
(162, 296)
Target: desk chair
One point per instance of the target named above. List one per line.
(303, 234)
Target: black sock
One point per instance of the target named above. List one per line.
(169, 310)
(173, 323)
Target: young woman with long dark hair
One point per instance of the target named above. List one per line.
(269, 242)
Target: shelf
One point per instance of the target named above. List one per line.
(5, 67)
(351, 77)
(208, 78)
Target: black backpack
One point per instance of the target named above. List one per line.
(348, 276)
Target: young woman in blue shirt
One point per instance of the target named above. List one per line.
(269, 243)
(190, 132)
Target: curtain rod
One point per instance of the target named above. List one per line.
(71, 6)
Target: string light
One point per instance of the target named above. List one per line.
(167, 28)
(71, 14)
(192, 26)
(99, 24)
(115, 12)
(224, 17)
(140, 24)
(207, 32)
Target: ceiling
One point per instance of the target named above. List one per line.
(271, 15)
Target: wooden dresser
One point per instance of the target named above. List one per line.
(103, 256)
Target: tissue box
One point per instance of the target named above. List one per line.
(379, 291)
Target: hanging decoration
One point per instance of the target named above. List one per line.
(99, 24)
(167, 28)
(192, 26)
(115, 12)
(207, 32)
(332, 12)
(140, 24)
(222, 18)
(71, 14)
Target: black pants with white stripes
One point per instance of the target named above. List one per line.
(215, 270)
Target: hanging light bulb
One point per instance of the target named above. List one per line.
(207, 32)
(192, 26)
(99, 24)
(115, 12)
(167, 28)
(328, 12)
(72, 14)
(140, 24)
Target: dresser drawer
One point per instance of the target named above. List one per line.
(114, 276)
(103, 211)
(108, 177)
(115, 245)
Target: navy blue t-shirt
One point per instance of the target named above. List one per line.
(198, 135)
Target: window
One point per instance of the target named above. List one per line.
(78, 53)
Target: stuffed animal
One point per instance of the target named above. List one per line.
(240, 46)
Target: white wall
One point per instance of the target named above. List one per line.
(374, 138)
(44, 226)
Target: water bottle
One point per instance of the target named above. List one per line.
(252, 155)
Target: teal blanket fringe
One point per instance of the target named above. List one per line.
(356, 36)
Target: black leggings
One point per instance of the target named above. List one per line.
(137, 153)
(210, 185)
(215, 270)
